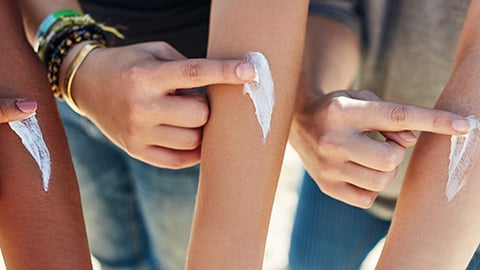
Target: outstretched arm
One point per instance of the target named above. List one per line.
(428, 231)
(239, 170)
(38, 229)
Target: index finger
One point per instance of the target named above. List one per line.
(391, 116)
(192, 73)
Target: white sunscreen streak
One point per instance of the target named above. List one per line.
(29, 132)
(261, 90)
(463, 150)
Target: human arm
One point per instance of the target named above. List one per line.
(330, 126)
(428, 231)
(133, 98)
(38, 230)
(239, 170)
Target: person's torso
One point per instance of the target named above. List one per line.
(182, 23)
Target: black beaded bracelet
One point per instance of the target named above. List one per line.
(61, 44)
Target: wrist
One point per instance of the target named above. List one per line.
(67, 61)
(57, 36)
(70, 70)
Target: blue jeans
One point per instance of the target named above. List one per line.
(137, 216)
(328, 234)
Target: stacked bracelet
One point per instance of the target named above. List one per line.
(60, 48)
(49, 21)
(59, 32)
(72, 71)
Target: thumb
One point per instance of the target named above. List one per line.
(405, 138)
(16, 109)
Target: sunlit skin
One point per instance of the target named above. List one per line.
(38, 230)
(428, 231)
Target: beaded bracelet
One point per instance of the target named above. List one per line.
(72, 71)
(59, 32)
(49, 21)
(62, 47)
(70, 22)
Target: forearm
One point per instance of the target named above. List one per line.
(239, 170)
(331, 57)
(38, 229)
(428, 231)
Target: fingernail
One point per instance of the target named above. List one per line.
(245, 71)
(407, 136)
(461, 125)
(26, 106)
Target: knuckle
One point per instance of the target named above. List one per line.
(193, 139)
(200, 114)
(336, 105)
(224, 72)
(192, 70)
(398, 114)
(381, 182)
(339, 109)
(391, 160)
(132, 72)
(366, 199)
(437, 122)
(133, 75)
(326, 143)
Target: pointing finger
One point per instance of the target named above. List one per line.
(201, 72)
(388, 116)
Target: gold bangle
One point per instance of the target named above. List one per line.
(72, 71)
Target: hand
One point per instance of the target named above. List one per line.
(16, 109)
(331, 137)
(145, 98)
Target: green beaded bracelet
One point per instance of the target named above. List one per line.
(50, 20)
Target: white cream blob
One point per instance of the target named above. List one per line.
(261, 90)
(29, 132)
(463, 151)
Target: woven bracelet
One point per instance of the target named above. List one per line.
(49, 21)
(61, 48)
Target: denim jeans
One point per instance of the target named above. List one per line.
(137, 216)
(328, 234)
